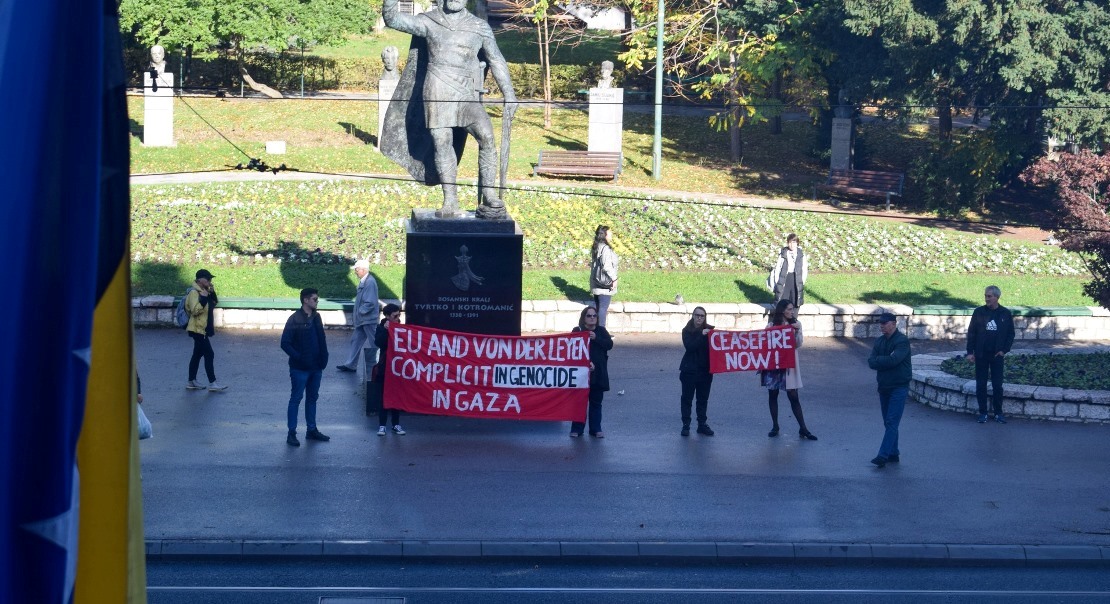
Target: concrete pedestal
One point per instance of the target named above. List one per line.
(386, 88)
(476, 290)
(158, 110)
(841, 144)
(606, 119)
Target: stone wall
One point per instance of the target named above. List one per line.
(818, 320)
(935, 388)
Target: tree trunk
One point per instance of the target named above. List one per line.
(545, 65)
(735, 141)
(776, 93)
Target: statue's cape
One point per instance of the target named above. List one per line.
(405, 137)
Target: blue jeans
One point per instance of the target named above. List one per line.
(302, 382)
(892, 402)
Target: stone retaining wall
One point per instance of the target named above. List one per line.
(818, 320)
(936, 388)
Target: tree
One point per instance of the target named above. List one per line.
(241, 25)
(1080, 185)
(720, 48)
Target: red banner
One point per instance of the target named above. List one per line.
(439, 372)
(771, 348)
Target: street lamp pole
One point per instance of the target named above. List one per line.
(657, 142)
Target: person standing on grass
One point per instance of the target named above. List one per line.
(890, 358)
(600, 345)
(304, 341)
(693, 372)
(989, 338)
(603, 271)
(786, 379)
(200, 304)
(392, 314)
(365, 318)
(788, 277)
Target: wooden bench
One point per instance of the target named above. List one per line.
(579, 163)
(864, 182)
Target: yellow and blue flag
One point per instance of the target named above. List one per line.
(70, 506)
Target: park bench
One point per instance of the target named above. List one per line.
(579, 163)
(864, 182)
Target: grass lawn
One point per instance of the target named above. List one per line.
(337, 281)
(339, 136)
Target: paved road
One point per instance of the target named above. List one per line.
(218, 466)
(359, 581)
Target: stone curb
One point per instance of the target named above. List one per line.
(644, 550)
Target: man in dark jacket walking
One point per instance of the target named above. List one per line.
(304, 341)
(989, 337)
(890, 358)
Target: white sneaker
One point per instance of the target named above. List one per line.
(193, 385)
(381, 430)
(216, 387)
(398, 430)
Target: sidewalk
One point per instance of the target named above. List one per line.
(218, 477)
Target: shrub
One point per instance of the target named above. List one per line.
(957, 175)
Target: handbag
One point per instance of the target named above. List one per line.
(773, 379)
(599, 277)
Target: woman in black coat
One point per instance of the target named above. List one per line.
(391, 314)
(693, 371)
(600, 345)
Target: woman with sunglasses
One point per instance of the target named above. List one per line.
(600, 345)
(693, 371)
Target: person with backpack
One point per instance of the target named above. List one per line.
(199, 305)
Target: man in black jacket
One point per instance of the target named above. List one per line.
(989, 337)
(304, 341)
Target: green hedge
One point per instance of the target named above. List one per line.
(283, 72)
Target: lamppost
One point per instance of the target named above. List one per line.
(657, 142)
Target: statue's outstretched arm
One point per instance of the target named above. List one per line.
(410, 24)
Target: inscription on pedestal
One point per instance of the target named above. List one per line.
(462, 279)
(386, 88)
(158, 110)
(841, 144)
(606, 119)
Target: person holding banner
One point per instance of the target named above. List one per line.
(693, 371)
(603, 271)
(785, 379)
(600, 345)
(392, 314)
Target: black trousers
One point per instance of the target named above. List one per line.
(989, 363)
(202, 348)
(695, 386)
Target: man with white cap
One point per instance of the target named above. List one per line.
(366, 314)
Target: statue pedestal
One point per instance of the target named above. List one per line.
(386, 88)
(841, 144)
(158, 111)
(606, 119)
(476, 291)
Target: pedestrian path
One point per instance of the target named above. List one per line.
(219, 478)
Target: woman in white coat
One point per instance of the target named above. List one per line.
(786, 379)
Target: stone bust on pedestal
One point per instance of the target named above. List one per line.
(606, 80)
(158, 59)
(390, 56)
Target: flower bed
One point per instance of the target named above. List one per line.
(334, 221)
(937, 388)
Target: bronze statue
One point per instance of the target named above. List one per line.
(438, 102)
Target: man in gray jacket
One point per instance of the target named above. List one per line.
(366, 314)
(890, 358)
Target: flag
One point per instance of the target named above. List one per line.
(70, 515)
